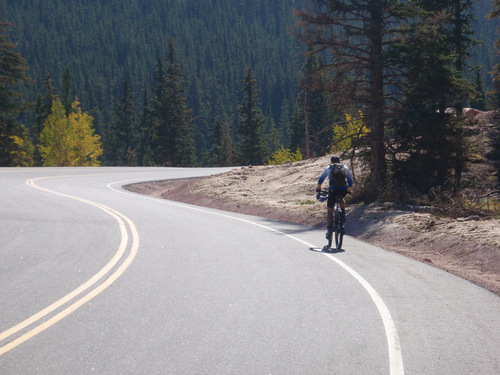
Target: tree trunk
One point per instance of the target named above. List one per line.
(377, 105)
(306, 126)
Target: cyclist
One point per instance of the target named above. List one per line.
(340, 184)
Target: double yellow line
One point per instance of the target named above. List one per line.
(92, 287)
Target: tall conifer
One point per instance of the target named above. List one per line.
(67, 85)
(427, 131)
(43, 109)
(312, 127)
(357, 33)
(222, 153)
(121, 139)
(174, 120)
(252, 146)
(148, 140)
(12, 74)
(495, 13)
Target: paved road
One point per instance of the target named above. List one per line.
(97, 280)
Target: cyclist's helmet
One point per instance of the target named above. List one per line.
(322, 196)
(335, 159)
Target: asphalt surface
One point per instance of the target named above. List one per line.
(98, 280)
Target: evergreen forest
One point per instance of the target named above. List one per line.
(189, 82)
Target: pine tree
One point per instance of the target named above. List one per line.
(174, 121)
(457, 27)
(122, 138)
(222, 153)
(272, 135)
(400, 63)
(148, 141)
(427, 135)
(479, 100)
(285, 126)
(312, 125)
(357, 33)
(252, 149)
(495, 13)
(67, 84)
(43, 109)
(12, 74)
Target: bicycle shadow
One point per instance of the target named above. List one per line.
(326, 249)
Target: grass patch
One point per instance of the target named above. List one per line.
(302, 203)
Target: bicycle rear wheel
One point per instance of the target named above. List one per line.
(339, 230)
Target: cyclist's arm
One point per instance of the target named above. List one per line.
(349, 177)
(322, 178)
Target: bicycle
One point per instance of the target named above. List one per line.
(338, 222)
(338, 226)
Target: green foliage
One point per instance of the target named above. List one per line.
(428, 138)
(252, 146)
(104, 41)
(311, 125)
(69, 140)
(222, 153)
(55, 138)
(172, 116)
(284, 155)
(405, 70)
(85, 144)
(23, 150)
(67, 83)
(12, 74)
(357, 74)
(121, 138)
(494, 14)
(43, 109)
(307, 202)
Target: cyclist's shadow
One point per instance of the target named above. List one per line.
(326, 249)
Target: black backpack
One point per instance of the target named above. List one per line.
(337, 175)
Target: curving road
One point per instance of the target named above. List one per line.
(98, 280)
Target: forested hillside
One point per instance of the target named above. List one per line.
(216, 82)
(103, 42)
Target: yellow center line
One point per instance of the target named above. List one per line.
(120, 218)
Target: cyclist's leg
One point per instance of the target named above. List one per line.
(342, 204)
(329, 213)
(329, 218)
(342, 194)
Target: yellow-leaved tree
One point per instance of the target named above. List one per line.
(283, 155)
(86, 144)
(69, 140)
(22, 152)
(349, 137)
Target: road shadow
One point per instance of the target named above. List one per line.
(327, 249)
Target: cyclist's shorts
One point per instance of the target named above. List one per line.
(333, 194)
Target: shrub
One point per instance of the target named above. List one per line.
(283, 155)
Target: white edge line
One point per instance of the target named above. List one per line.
(393, 343)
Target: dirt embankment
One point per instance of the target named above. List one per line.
(467, 247)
